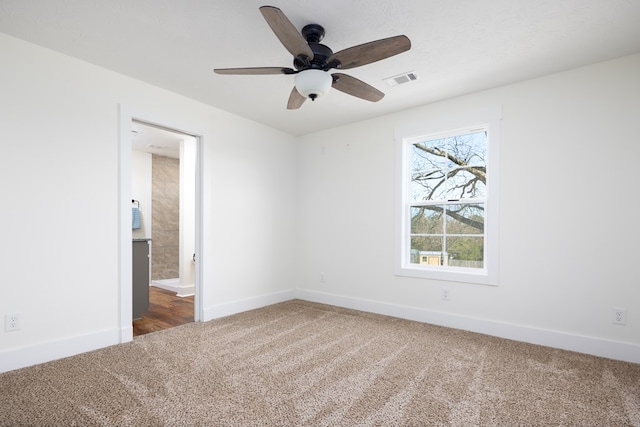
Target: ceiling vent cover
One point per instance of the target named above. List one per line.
(401, 79)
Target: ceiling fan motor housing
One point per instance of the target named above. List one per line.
(313, 34)
(321, 54)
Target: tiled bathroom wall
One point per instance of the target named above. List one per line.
(165, 237)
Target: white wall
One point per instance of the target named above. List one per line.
(568, 229)
(59, 178)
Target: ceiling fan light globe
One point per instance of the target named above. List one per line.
(313, 84)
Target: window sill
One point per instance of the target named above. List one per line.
(449, 275)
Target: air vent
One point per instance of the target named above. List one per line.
(401, 79)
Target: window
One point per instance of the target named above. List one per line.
(447, 220)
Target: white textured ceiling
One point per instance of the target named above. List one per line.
(458, 46)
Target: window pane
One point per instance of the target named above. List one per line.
(426, 219)
(449, 168)
(426, 250)
(465, 219)
(465, 251)
(428, 169)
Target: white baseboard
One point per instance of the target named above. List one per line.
(180, 290)
(52, 350)
(238, 306)
(618, 350)
(186, 291)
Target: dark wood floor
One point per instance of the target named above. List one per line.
(166, 310)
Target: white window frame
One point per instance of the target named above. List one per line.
(488, 118)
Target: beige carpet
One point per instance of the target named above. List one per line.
(304, 364)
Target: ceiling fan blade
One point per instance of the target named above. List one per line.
(288, 35)
(295, 100)
(369, 52)
(255, 70)
(355, 87)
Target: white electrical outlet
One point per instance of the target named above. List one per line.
(619, 316)
(445, 295)
(12, 322)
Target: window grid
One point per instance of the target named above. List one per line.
(451, 166)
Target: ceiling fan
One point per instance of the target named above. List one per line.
(313, 60)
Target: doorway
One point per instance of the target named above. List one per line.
(174, 201)
(163, 180)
